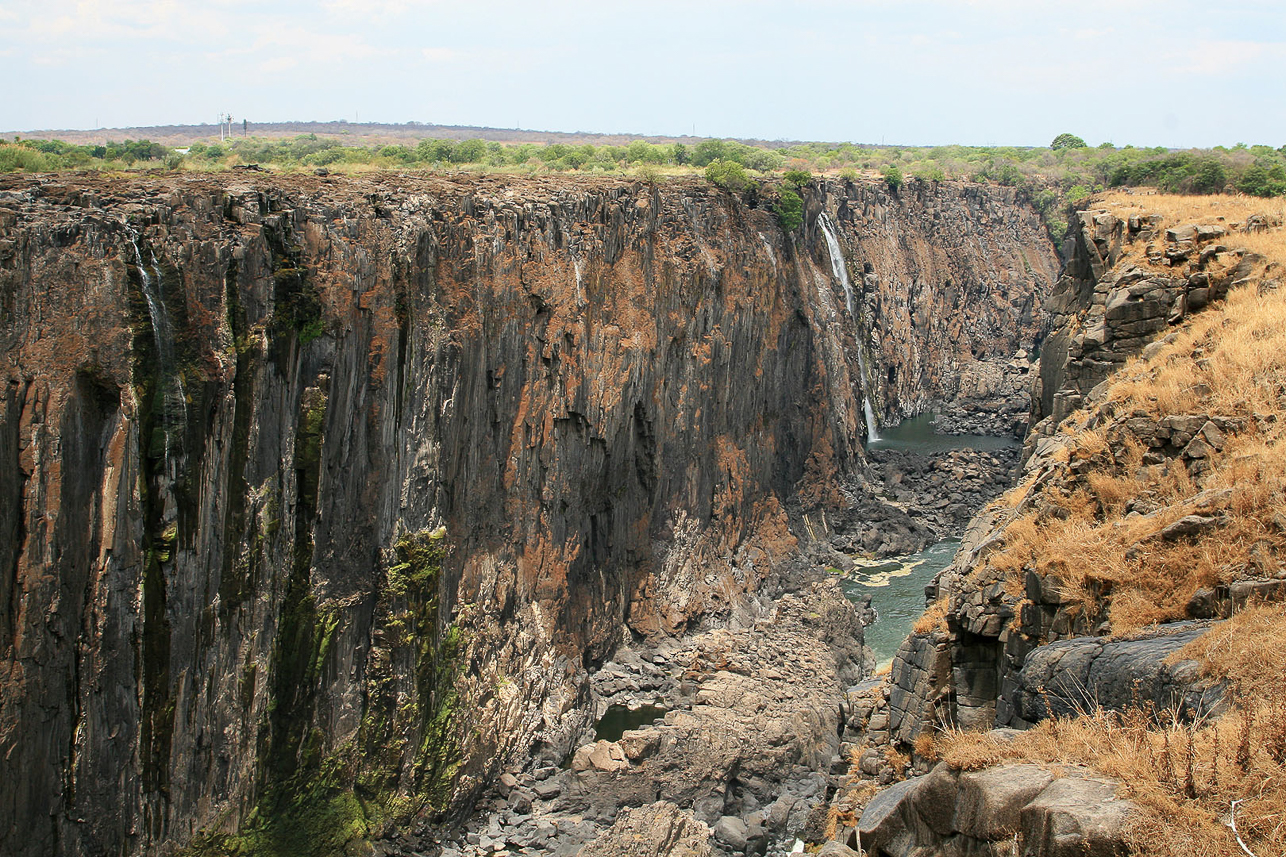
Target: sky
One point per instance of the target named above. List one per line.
(913, 72)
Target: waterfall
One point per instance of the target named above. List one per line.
(173, 397)
(841, 273)
(580, 282)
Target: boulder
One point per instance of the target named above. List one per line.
(658, 830)
(1007, 809)
(1076, 817)
(990, 801)
(732, 832)
(1084, 673)
(601, 755)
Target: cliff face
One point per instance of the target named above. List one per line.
(319, 497)
(948, 284)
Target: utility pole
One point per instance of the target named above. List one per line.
(220, 127)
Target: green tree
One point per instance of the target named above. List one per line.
(1067, 141)
(893, 177)
(790, 209)
(798, 178)
(728, 175)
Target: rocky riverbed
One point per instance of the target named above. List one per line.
(748, 745)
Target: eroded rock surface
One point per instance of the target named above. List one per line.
(749, 743)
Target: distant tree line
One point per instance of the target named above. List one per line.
(1053, 178)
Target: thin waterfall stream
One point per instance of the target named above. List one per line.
(170, 391)
(840, 271)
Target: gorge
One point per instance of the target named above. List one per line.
(337, 509)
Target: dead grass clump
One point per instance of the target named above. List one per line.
(1182, 777)
(1248, 651)
(933, 619)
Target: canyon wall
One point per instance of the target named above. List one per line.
(949, 282)
(987, 661)
(320, 497)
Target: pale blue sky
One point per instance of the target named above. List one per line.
(1178, 73)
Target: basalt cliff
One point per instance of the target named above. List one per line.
(323, 499)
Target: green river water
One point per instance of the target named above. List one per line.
(896, 585)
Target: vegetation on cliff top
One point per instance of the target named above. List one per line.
(1055, 177)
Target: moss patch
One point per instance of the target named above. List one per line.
(407, 750)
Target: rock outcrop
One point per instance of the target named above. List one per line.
(1008, 809)
(310, 485)
(746, 738)
(657, 830)
(1102, 313)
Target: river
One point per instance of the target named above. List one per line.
(896, 585)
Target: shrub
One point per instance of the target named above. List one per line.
(797, 178)
(13, 158)
(649, 173)
(728, 175)
(893, 177)
(790, 210)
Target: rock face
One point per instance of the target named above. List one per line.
(1085, 673)
(657, 830)
(309, 485)
(1102, 313)
(1009, 809)
(942, 323)
(747, 740)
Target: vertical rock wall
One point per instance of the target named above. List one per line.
(415, 454)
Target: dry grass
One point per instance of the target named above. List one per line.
(1247, 651)
(1096, 528)
(933, 619)
(1228, 362)
(1178, 208)
(1183, 778)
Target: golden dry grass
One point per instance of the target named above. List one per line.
(933, 619)
(1180, 208)
(1228, 362)
(1183, 778)
(1097, 532)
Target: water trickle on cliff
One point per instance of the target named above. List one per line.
(172, 396)
(841, 273)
